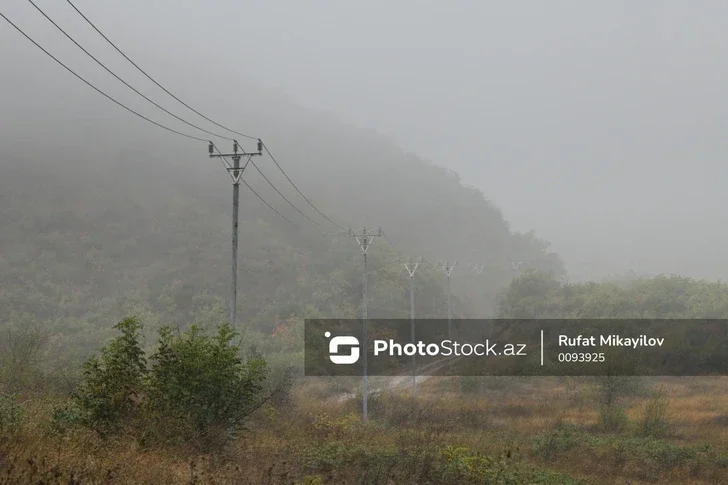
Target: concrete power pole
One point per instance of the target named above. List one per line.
(447, 269)
(411, 267)
(478, 270)
(364, 238)
(236, 172)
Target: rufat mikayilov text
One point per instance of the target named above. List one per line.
(447, 348)
(610, 341)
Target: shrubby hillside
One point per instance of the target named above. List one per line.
(107, 229)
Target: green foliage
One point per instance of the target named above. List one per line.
(199, 384)
(432, 464)
(553, 442)
(64, 418)
(113, 383)
(649, 457)
(82, 245)
(197, 389)
(11, 414)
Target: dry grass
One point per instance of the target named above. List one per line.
(540, 424)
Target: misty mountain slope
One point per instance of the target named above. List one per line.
(123, 219)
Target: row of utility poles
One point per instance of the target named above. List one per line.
(364, 239)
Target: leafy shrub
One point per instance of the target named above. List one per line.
(198, 385)
(113, 383)
(197, 389)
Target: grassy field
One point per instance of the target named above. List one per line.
(458, 431)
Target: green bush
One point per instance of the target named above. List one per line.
(197, 388)
(113, 383)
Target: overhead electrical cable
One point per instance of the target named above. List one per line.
(283, 196)
(153, 80)
(97, 89)
(120, 79)
(196, 111)
(297, 190)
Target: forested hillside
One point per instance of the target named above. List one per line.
(99, 231)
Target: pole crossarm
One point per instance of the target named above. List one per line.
(447, 267)
(411, 266)
(235, 170)
(476, 268)
(364, 237)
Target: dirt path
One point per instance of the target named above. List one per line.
(400, 382)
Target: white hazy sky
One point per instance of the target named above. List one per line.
(600, 125)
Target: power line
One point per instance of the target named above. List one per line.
(200, 114)
(172, 114)
(283, 196)
(97, 89)
(388, 241)
(153, 80)
(297, 190)
(120, 79)
(269, 206)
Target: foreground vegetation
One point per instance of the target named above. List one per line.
(201, 407)
(528, 431)
(184, 399)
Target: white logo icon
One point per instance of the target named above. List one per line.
(343, 341)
